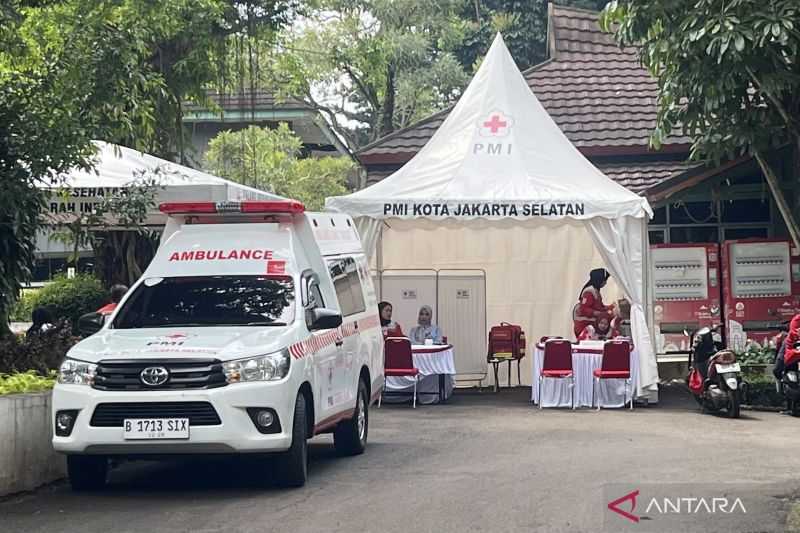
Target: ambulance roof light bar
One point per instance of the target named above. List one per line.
(274, 207)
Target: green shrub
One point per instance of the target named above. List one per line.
(757, 355)
(24, 307)
(30, 381)
(67, 298)
(761, 390)
(42, 353)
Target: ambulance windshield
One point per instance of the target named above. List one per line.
(205, 301)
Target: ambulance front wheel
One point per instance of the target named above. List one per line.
(87, 472)
(292, 465)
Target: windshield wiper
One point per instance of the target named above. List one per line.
(273, 323)
(181, 325)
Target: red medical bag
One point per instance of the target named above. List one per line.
(506, 341)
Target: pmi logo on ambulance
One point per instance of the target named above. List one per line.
(494, 127)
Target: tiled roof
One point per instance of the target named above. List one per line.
(638, 176)
(600, 96)
(246, 100)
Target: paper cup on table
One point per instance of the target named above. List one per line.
(428, 342)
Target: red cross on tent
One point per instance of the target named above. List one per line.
(496, 124)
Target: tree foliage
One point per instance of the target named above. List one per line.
(76, 70)
(269, 159)
(523, 24)
(114, 230)
(374, 66)
(727, 71)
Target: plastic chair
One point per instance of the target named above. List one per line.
(616, 365)
(557, 364)
(399, 361)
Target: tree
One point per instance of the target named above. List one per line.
(76, 70)
(727, 71)
(54, 101)
(115, 231)
(182, 43)
(374, 66)
(523, 24)
(270, 160)
(371, 66)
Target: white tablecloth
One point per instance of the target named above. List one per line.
(556, 392)
(431, 361)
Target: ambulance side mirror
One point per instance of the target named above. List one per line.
(91, 323)
(323, 318)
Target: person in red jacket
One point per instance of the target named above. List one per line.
(791, 356)
(117, 293)
(590, 306)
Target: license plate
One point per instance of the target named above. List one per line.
(155, 428)
(721, 369)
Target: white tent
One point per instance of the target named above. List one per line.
(500, 175)
(118, 168)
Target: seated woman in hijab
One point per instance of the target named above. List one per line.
(389, 328)
(424, 328)
(590, 307)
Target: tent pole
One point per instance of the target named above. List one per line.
(647, 291)
(379, 260)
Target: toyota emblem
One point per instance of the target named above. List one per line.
(154, 376)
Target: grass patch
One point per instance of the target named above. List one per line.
(22, 382)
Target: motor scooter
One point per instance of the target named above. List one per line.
(790, 385)
(721, 387)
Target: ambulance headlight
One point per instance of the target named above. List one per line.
(74, 372)
(269, 367)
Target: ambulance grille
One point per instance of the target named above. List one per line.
(110, 415)
(125, 374)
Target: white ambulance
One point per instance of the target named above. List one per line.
(254, 328)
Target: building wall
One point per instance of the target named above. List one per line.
(734, 205)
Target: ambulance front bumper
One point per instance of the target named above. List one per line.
(233, 430)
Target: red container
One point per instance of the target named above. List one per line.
(761, 288)
(687, 292)
(506, 341)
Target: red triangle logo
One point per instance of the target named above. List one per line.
(615, 506)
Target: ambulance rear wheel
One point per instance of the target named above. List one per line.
(350, 436)
(291, 467)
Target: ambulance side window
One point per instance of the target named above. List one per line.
(344, 273)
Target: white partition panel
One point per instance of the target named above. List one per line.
(462, 318)
(407, 291)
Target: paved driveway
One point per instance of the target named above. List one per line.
(483, 462)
